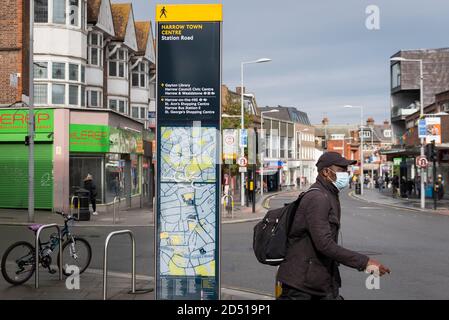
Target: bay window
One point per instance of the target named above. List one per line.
(118, 64)
(59, 11)
(94, 51)
(41, 11)
(139, 75)
(118, 105)
(58, 94)
(40, 93)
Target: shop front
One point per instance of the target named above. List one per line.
(14, 159)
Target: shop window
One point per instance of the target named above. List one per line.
(115, 178)
(135, 175)
(81, 166)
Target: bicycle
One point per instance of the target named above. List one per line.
(18, 262)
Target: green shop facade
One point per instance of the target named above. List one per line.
(69, 144)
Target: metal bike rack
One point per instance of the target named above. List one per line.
(38, 233)
(113, 204)
(72, 206)
(226, 198)
(105, 261)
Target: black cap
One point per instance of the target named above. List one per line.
(333, 158)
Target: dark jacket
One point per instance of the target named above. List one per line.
(90, 186)
(313, 254)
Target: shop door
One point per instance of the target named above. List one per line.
(14, 176)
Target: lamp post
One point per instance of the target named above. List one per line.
(31, 120)
(421, 86)
(242, 148)
(262, 153)
(361, 145)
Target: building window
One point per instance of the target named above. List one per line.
(94, 98)
(59, 11)
(118, 105)
(83, 96)
(74, 12)
(73, 72)
(118, 63)
(58, 94)
(395, 75)
(41, 11)
(58, 70)
(387, 133)
(290, 148)
(139, 113)
(139, 75)
(40, 70)
(40, 93)
(73, 95)
(83, 74)
(95, 49)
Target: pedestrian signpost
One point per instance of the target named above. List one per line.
(188, 116)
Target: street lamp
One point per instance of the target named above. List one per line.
(263, 151)
(421, 85)
(242, 148)
(361, 145)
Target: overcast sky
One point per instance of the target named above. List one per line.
(323, 55)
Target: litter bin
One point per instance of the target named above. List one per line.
(358, 188)
(83, 198)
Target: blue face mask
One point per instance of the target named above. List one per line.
(342, 180)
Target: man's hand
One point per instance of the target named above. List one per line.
(375, 267)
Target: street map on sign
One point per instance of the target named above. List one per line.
(188, 201)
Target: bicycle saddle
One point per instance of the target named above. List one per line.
(35, 227)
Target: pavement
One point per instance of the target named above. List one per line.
(385, 199)
(91, 288)
(119, 283)
(132, 217)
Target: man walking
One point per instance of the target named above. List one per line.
(310, 270)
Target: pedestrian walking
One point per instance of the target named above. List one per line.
(380, 182)
(310, 269)
(92, 188)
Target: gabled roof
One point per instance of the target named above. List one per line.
(142, 32)
(120, 15)
(93, 10)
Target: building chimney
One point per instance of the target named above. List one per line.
(370, 122)
(325, 121)
(239, 91)
(386, 124)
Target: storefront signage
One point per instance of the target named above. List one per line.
(188, 150)
(125, 141)
(16, 120)
(89, 138)
(433, 126)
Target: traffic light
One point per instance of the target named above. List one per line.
(27, 140)
(431, 152)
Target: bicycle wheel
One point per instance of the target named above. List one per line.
(18, 263)
(78, 254)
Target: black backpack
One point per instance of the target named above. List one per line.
(271, 234)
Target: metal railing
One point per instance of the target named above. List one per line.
(105, 261)
(114, 208)
(72, 205)
(38, 233)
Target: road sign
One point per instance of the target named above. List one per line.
(422, 132)
(242, 162)
(422, 162)
(243, 169)
(243, 138)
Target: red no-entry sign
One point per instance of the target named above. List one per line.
(422, 162)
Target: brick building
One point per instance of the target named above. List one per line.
(14, 25)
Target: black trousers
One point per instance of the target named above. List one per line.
(290, 293)
(94, 204)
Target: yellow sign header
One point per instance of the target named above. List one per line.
(189, 12)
